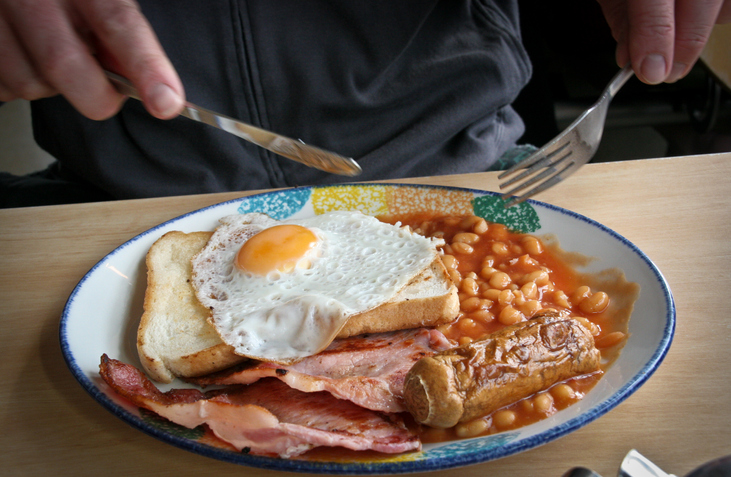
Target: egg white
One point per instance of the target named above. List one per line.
(358, 264)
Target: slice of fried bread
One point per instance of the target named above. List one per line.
(174, 337)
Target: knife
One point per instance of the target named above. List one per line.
(637, 465)
(295, 150)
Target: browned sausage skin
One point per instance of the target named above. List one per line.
(476, 379)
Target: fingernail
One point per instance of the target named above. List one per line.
(653, 68)
(164, 101)
(676, 72)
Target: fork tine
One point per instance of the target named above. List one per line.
(546, 173)
(551, 181)
(544, 163)
(539, 155)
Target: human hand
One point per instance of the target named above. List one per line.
(50, 47)
(662, 38)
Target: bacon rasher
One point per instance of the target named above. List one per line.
(267, 417)
(366, 370)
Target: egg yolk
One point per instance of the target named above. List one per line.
(279, 248)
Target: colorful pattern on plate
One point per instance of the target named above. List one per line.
(481, 444)
(277, 205)
(521, 218)
(399, 200)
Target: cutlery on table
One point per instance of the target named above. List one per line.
(290, 148)
(637, 465)
(565, 153)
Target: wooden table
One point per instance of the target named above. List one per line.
(677, 210)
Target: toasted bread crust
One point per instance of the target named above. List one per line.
(174, 337)
(430, 299)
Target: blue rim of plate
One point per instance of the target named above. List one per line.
(499, 445)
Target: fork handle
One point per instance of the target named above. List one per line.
(619, 80)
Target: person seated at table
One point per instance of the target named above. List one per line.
(413, 88)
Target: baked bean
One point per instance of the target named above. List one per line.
(531, 307)
(464, 340)
(438, 234)
(610, 339)
(500, 248)
(488, 261)
(543, 402)
(510, 316)
(471, 304)
(455, 276)
(527, 261)
(450, 262)
(539, 277)
(467, 325)
(452, 221)
(469, 286)
(506, 297)
(563, 392)
(483, 314)
(466, 237)
(468, 222)
(593, 328)
(516, 249)
(499, 280)
(560, 298)
(596, 303)
(532, 245)
(447, 249)
(472, 428)
(504, 418)
(462, 248)
(491, 294)
(530, 290)
(526, 405)
(487, 271)
(519, 298)
(579, 294)
(480, 227)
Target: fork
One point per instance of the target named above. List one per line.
(565, 153)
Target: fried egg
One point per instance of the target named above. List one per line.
(281, 290)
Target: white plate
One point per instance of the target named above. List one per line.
(102, 314)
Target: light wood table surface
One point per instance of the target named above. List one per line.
(677, 210)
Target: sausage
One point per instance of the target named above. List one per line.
(476, 379)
